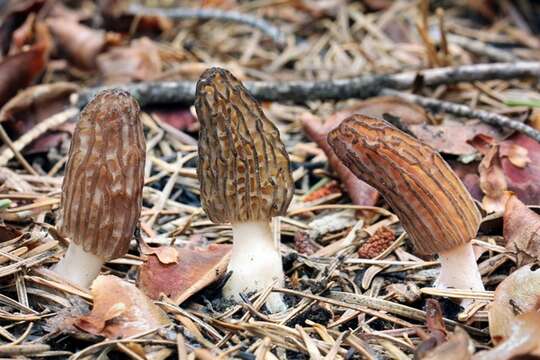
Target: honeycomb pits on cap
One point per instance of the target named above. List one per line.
(245, 179)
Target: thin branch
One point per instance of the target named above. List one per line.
(174, 92)
(213, 14)
(435, 106)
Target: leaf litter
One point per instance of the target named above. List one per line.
(355, 287)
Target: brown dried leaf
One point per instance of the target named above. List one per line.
(419, 185)
(34, 104)
(195, 269)
(120, 310)
(524, 182)
(523, 340)
(138, 62)
(522, 231)
(518, 293)
(165, 254)
(20, 70)
(14, 16)
(360, 192)
(80, 43)
(517, 155)
(492, 181)
(459, 346)
(180, 118)
(452, 137)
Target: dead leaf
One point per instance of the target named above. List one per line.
(523, 341)
(34, 104)
(517, 155)
(20, 70)
(452, 137)
(138, 62)
(120, 310)
(522, 231)
(196, 268)
(117, 18)
(518, 293)
(80, 43)
(165, 254)
(459, 346)
(493, 181)
(180, 118)
(360, 192)
(437, 331)
(14, 16)
(524, 182)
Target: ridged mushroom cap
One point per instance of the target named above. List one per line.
(432, 203)
(243, 165)
(102, 187)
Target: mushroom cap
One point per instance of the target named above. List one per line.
(432, 203)
(102, 188)
(243, 165)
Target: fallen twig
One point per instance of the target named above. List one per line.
(465, 111)
(174, 92)
(213, 14)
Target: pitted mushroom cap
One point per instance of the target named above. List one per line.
(432, 203)
(102, 188)
(243, 165)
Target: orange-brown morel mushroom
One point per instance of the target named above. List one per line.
(432, 203)
(245, 180)
(102, 188)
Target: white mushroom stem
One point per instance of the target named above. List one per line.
(459, 270)
(255, 263)
(78, 266)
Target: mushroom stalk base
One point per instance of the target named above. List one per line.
(78, 266)
(255, 263)
(459, 270)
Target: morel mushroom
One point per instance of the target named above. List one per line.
(432, 203)
(245, 180)
(102, 189)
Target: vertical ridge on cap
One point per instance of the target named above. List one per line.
(243, 164)
(102, 187)
(431, 201)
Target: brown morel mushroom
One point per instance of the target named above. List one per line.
(434, 207)
(102, 188)
(245, 180)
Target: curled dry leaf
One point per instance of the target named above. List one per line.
(165, 254)
(492, 181)
(14, 16)
(34, 104)
(451, 137)
(138, 62)
(517, 155)
(523, 340)
(437, 331)
(360, 192)
(523, 181)
(180, 118)
(80, 43)
(117, 18)
(522, 231)
(195, 269)
(518, 293)
(120, 310)
(20, 70)
(458, 347)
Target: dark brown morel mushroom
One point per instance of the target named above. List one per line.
(245, 180)
(102, 188)
(432, 203)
